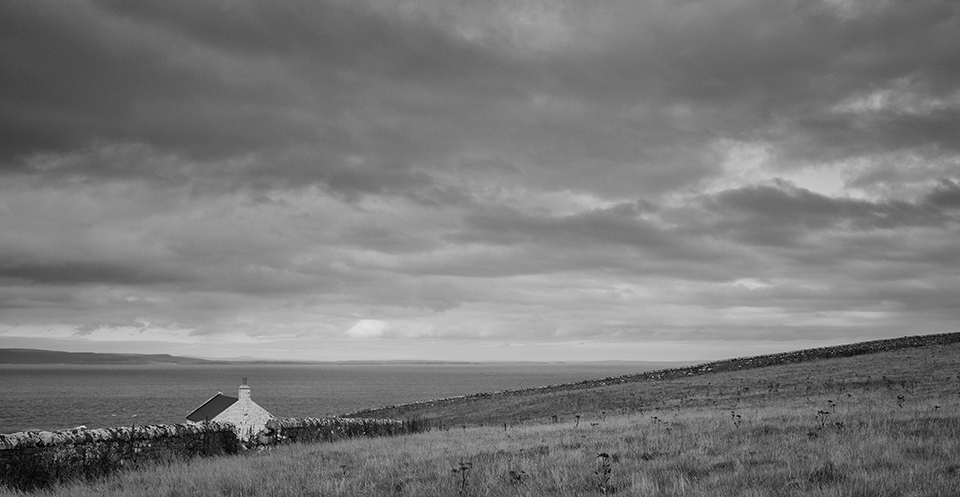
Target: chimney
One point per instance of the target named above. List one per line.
(244, 393)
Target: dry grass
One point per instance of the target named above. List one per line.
(734, 434)
(916, 373)
(863, 448)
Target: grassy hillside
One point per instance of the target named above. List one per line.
(912, 364)
(884, 423)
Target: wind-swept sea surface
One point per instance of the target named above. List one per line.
(52, 397)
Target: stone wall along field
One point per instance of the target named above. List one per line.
(285, 430)
(30, 460)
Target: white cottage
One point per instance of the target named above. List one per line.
(245, 414)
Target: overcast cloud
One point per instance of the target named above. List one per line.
(477, 180)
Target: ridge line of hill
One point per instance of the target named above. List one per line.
(42, 356)
(733, 364)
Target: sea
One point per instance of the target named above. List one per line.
(37, 397)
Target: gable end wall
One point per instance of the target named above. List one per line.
(248, 417)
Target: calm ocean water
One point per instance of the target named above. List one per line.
(51, 397)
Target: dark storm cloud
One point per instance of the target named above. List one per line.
(839, 137)
(619, 225)
(73, 76)
(214, 82)
(945, 196)
(786, 207)
(357, 97)
(776, 72)
(322, 35)
(856, 252)
(89, 272)
(13, 296)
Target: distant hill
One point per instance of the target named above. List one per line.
(36, 356)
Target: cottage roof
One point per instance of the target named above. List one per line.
(211, 408)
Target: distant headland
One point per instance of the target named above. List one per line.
(37, 356)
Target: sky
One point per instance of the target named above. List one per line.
(477, 180)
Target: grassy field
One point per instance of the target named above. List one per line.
(921, 372)
(880, 424)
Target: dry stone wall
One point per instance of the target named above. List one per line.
(286, 430)
(30, 460)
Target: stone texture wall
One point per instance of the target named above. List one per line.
(247, 417)
(30, 460)
(286, 430)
